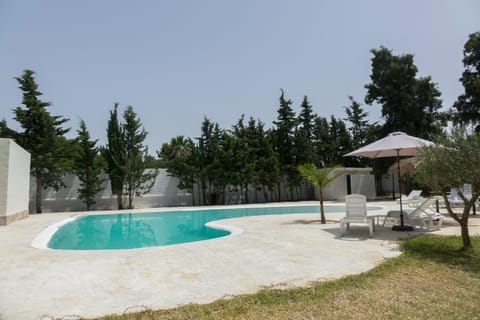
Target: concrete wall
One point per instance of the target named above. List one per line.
(163, 194)
(361, 181)
(14, 181)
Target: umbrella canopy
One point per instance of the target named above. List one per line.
(395, 144)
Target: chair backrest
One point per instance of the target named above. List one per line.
(467, 190)
(454, 194)
(356, 206)
(424, 208)
(414, 194)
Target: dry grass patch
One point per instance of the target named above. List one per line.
(431, 280)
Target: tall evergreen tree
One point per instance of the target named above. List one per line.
(340, 142)
(321, 142)
(115, 156)
(88, 166)
(304, 134)
(284, 131)
(284, 141)
(359, 123)
(209, 147)
(179, 159)
(138, 180)
(409, 104)
(244, 161)
(267, 166)
(467, 106)
(42, 136)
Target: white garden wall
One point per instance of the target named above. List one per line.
(163, 194)
(14, 181)
(362, 181)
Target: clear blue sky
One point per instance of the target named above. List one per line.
(178, 61)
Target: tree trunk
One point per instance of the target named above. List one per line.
(246, 193)
(119, 199)
(130, 196)
(202, 192)
(193, 195)
(38, 196)
(465, 235)
(322, 210)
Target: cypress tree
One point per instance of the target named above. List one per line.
(304, 134)
(284, 141)
(42, 136)
(138, 180)
(115, 156)
(88, 166)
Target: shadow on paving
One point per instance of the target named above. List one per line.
(357, 232)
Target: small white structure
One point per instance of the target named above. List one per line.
(14, 181)
(350, 180)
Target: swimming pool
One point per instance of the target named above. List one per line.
(138, 230)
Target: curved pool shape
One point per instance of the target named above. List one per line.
(137, 230)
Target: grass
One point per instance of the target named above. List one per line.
(432, 279)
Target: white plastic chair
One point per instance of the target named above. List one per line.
(423, 215)
(356, 212)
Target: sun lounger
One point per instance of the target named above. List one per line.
(423, 215)
(412, 198)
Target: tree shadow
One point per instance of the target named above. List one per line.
(446, 250)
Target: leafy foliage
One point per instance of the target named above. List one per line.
(409, 104)
(450, 164)
(468, 104)
(179, 157)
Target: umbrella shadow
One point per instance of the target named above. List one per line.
(358, 232)
(306, 222)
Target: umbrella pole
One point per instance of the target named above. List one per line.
(399, 187)
(401, 227)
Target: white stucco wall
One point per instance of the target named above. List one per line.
(14, 178)
(361, 182)
(4, 155)
(164, 193)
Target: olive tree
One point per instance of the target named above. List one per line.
(451, 163)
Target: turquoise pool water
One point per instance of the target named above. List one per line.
(137, 230)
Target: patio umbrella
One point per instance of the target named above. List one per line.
(396, 144)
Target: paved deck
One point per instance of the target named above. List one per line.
(279, 251)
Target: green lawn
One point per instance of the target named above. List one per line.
(432, 279)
